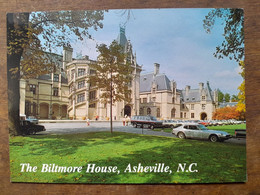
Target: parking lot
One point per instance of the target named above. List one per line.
(98, 126)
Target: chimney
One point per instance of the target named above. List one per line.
(156, 68)
(67, 56)
(187, 90)
(201, 86)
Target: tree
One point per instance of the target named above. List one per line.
(241, 107)
(227, 113)
(234, 98)
(233, 44)
(29, 35)
(227, 97)
(113, 75)
(220, 96)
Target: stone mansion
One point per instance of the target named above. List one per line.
(65, 94)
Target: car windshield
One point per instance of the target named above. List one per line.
(202, 127)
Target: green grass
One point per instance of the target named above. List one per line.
(216, 162)
(228, 128)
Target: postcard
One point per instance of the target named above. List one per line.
(134, 96)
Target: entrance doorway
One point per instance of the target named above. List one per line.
(203, 116)
(127, 110)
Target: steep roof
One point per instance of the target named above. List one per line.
(194, 95)
(161, 80)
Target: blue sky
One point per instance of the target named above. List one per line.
(174, 38)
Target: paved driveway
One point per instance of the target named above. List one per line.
(70, 128)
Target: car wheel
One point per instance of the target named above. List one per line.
(181, 135)
(151, 127)
(213, 138)
(171, 126)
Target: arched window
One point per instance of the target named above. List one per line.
(173, 111)
(158, 114)
(148, 111)
(141, 111)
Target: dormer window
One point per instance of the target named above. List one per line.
(203, 97)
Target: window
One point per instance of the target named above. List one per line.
(153, 90)
(81, 98)
(192, 115)
(141, 111)
(181, 115)
(72, 74)
(173, 113)
(92, 95)
(173, 100)
(71, 88)
(33, 88)
(55, 91)
(144, 100)
(203, 97)
(203, 106)
(154, 99)
(56, 78)
(81, 72)
(92, 105)
(148, 111)
(91, 72)
(81, 84)
(158, 114)
(192, 106)
(184, 114)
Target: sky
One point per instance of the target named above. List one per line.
(174, 38)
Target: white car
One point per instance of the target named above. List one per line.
(198, 131)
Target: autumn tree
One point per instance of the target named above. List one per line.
(112, 76)
(227, 113)
(29, 35)
(233, 43)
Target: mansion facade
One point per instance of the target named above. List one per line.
(66, 94)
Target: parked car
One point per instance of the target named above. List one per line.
(32, 119)
(150, 121)
(30, 128)
(170, 123)
(240, 133)
(198, 131)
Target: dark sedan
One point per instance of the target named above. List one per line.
(30, 128)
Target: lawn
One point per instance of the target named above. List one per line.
(228, 128)
(216, 162)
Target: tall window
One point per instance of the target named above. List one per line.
(158, 113)
(81, 97)
(33, 88)
(203, 97)
(203, 106)
(173, 100)
(81, 72)
(56, 78)
(192, 115)
(55, 91)
(81, 84)
(173, 111)
(144, 100)
(92, 95)
(148, 111)
(72, 74)
(141, 111)
(71, 88)
(192, 106)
